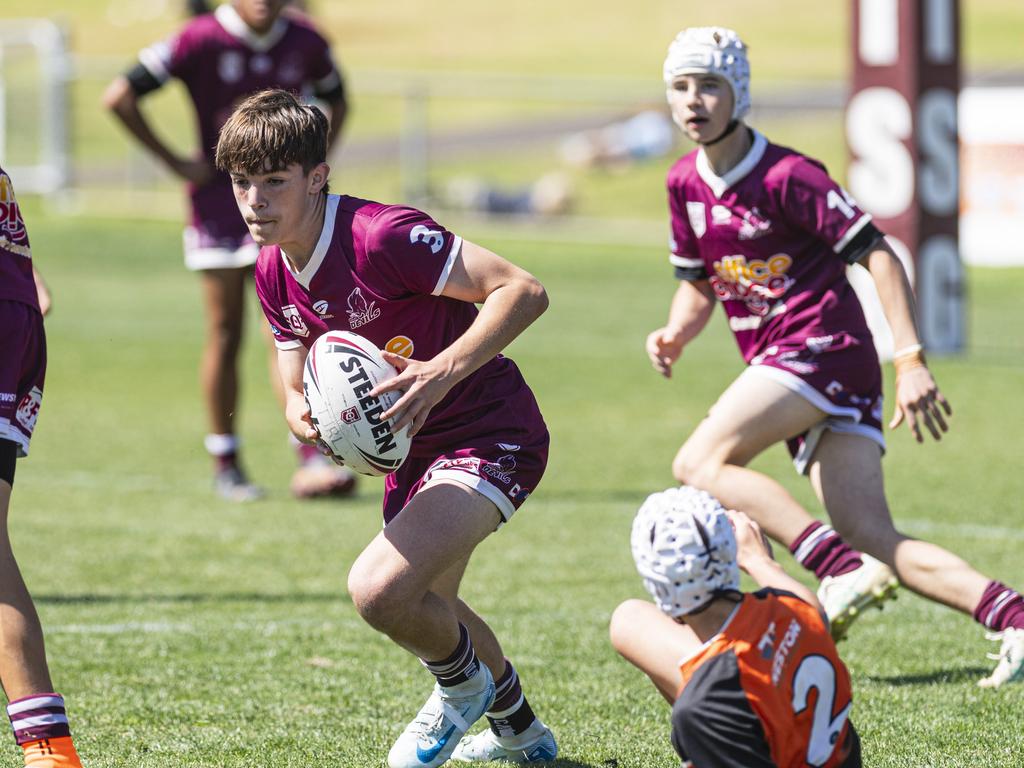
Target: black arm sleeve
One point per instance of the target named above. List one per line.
(713, 725)
(691, 274)
(335, 93)
(861, 244)
(141, 80)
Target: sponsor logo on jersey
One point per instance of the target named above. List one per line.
(518, 494)
(13, 235)
(231, 66)
(28, 409)
(766, 645)
(471, 463)
(361, 311)
(785, 646)
(754, 225)
(400, 345)
(8, 397)
(720, 215)
(756, 283)
(323, 309)
(508, 446)
(295, 321)
(698, 218)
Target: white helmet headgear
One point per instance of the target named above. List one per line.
(685, 549)
(716, 51)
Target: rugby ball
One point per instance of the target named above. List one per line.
(340, 371)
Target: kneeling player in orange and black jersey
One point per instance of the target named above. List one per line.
(754, 678)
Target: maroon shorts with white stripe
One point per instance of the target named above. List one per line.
(22, 371)
(504, 472)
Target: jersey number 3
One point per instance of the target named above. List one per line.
(817, 672)
(433, 238)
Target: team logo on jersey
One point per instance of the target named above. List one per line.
(231, 66)
(754, 225)
(400, 345)
(360, 311)
(698, 218)
(28, 409)
(720, 215)
(502, 469)
(13, 235)
(295, 321)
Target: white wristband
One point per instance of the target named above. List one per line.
(910, 350)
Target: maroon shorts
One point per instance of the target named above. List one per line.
(22, 371)
(506, 473)
(839, 374)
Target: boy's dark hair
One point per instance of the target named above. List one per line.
(269, 131)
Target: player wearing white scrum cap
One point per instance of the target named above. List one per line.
(711, 51)
(764, 231)
(735, 666)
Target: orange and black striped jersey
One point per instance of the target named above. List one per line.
(768, 690)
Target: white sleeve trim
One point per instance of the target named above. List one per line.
(285, 344)
(155, 59)
(852, 233)
(685, 261)
(453, 254)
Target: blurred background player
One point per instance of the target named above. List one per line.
(220, 57)
(765, 231)
(479, 442)
(37, 713)
(738, 668)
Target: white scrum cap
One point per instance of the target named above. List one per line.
(716, 51)
(685, 549)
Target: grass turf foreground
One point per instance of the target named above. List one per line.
(186, 631)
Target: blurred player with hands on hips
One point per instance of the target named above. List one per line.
(37, 714)
(242, 47)
(398, 278)
(767, 233)
(738, 668)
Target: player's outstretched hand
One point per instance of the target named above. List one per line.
(423, 384)
(300, 420)
(919, 401)
(751, 543)
(663, 349)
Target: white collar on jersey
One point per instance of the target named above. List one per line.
(228, 18)
(305, 277)
(719, 184)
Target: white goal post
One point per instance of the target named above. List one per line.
(35, 69)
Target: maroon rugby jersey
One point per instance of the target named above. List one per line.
(774, 237)
(220, 60)
(378, 270)
(16, 281)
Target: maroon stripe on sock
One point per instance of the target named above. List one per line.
(1000, 608)
(830, 555)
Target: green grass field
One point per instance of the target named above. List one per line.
(185, 631)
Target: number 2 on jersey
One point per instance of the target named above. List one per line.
(817, 672)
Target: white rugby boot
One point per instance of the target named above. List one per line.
(535, 745)
(429, 740)
(845, 597)
(1010, 667)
